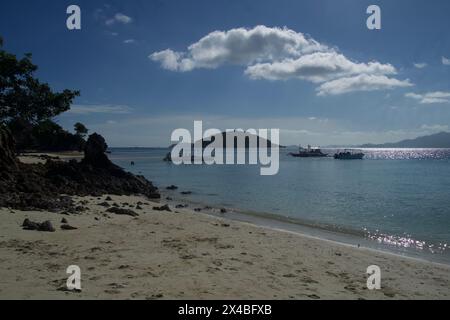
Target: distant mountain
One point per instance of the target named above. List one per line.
(438, 140)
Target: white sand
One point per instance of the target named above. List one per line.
(39, 157)
(188, 255)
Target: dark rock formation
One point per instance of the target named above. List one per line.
(172, 187)
(7, 152)
(67, 227)
(95, 152)
(45, 226)
(121, 211)
(104, 204)
(163, 208)
(41, 186)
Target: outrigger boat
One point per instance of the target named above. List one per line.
(349, 155)
(308, 153)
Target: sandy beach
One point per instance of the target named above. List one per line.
(189, 255)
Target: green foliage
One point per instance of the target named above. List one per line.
(22, 96)
(27, 107)
(45, 136)
(80, 129)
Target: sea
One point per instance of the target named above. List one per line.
(395, 200)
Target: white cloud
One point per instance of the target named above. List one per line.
(110, 109)
(172, 61)
(129, 41)
(280, 54)
(316, 67)
(430, 97)
(119, 18)
(362, 82)
(242, 47)
(445, 61)
(435, 127)
(420, 65)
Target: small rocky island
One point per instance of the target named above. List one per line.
(49, 186)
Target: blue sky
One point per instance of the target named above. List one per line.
(311, 68)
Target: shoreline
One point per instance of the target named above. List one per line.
(340, 235)
(189, 255)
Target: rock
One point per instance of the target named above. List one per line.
(138, 207)
(121, 211)
(45, 226)
(223, 210)
(197, 209)
(186, 192)
(163, 208)
(108, 198)
(7, 152)
(168, 157)
(80, 209)
(64, 220)
(95, 151)
(169, 198)
(104, 204)
(172, 187)
(29, 225)
(181, 206)
(31, 187)
(68, 227)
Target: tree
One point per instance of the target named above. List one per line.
(24, 97)
(27, 106)
(80, 129)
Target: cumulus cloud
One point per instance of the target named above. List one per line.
(362, 82)
(109, 109)
(430, 97)
(281, 54)
(435, 127)
(316, 67)
(172, 61)
(119, 18)
(420, 65)
(445, 61)
(242, 47)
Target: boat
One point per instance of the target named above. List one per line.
(349, 155)
(308, 153)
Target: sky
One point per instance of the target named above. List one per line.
(310, 68)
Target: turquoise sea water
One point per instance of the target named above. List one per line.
(399, 198)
